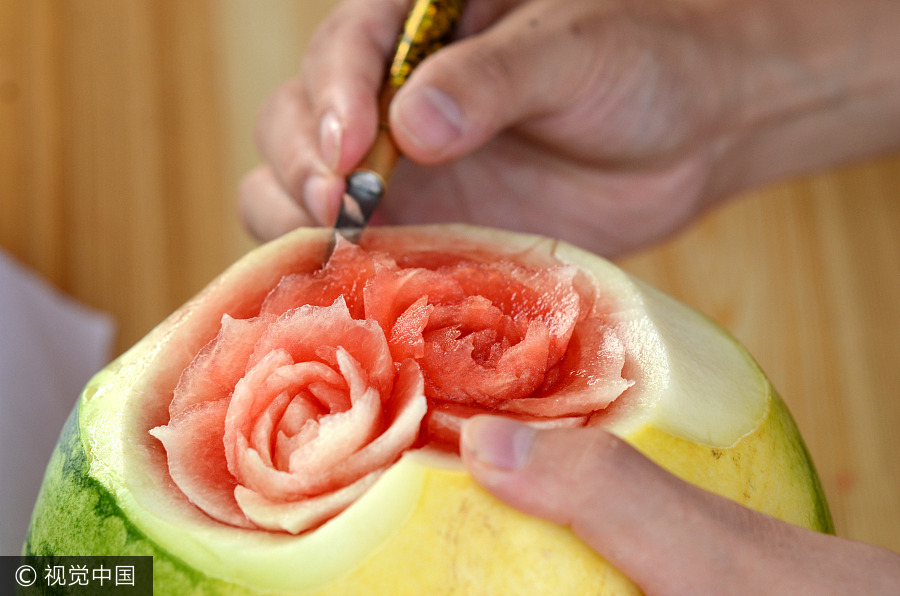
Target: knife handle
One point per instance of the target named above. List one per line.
(428, 27)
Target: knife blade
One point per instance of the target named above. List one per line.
(429, 26)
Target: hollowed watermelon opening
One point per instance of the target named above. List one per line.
(294, 427)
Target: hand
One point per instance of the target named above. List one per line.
(668, 536)
(606, 123)
(558, 117)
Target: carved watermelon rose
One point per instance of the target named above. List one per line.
(286, 418)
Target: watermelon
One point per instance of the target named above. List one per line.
(294, 428)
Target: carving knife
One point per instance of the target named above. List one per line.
(428, 27)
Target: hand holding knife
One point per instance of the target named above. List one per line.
(429, 26)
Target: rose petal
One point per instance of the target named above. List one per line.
(304, 330)
(546, 295)
(344, 275)
(297, 516)
(341, 434)
(472, 314)
(263, 429)
(332, 397)
(392, 291)
(249, 399)
(592, 374)
(302, 409)
(286, 444)
(337, 437)
(406, 339)
(196, 457)
(519, 371)
(407, 408)
(219, 365)
(301, 376)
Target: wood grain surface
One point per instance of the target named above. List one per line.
(125, 127)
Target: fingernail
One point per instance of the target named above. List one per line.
(330, 132)
(316, 199)
(431, 118)
(498, 442)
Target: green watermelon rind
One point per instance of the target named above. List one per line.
(803, 462)
(96, 526)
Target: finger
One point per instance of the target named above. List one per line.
(481, 14)
(343, 73)
(267, 210)
(665, 534)
(533, 62)
(286, 139)
(322, 122)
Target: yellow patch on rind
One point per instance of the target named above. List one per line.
(465, 541)
(768, 470)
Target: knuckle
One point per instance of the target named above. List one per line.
(248, 205)
(493, 70)
(337, 21)
(293, 166)
(322, 38)
(601, 464)
(278, 107)
(284, 135)
(603, 454)
(250, 185)
(357, 30)
(264, 208)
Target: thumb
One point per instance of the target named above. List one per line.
(525, 65)
(666, 535)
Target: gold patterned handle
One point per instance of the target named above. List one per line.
(428, 27)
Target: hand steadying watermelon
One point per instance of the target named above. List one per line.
(295, 427)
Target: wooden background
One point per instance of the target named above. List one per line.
(126, 125)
